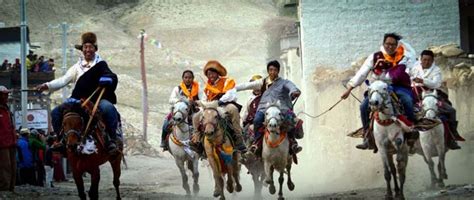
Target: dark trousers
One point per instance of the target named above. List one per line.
(27, 176)
(7, 168)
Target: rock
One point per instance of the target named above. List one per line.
(451, 50)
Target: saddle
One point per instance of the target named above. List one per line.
(96, 130)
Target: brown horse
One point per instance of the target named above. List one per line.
(73, 128)
(222, 158)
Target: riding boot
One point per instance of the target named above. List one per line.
(451, 143)
(239, 142)
(112, 141)
(365, 143)
(294, 148)
(164, 144)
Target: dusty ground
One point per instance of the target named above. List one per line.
(158, 178)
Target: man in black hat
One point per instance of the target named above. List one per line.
(89, 73)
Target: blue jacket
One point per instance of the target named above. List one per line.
(26, 157)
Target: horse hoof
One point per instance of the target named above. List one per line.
(291, 186)
(216, 194)
(238, 188)
(272, 189)
(388, 196)
(196, 188)
(281, 198)
(230, 188)
(441, 184)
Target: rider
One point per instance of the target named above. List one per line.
(251, 106)
(390, 65)
(273, 88)
(221, 88)
(428, 75)
(187, 89)
(89, 73)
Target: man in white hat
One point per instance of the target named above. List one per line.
(90, 72)
(7, 144)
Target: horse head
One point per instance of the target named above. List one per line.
(210, 117)
(273, 117)
(430, 104)
(378, 95)
(73, 125)
(181, 111)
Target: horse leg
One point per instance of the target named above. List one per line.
(94, 188)
(236, 172)
(291, 185)
(257, 185)
(430, 163)
(230, 178)
(79, 183)
(441, 158)
(280, 191)
(269, 178)
(386, 169)
(218, 181)
(115, 164)
(401, 169)
(393, 172)
(195, 163)
(184, 177)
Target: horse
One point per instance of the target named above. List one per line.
(388, 134)
(73, 134)
(275, 152)
(254, 164)
(221, 155)
(432, 140)
(179, 145)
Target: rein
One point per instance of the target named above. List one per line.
(94, 110)
(321, 114)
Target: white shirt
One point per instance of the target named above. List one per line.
(73, 73)
(432, 77)
(176, 95)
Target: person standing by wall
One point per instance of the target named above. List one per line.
(7, 144)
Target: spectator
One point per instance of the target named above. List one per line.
(36, 67)
(58, 174)
(7, 144)
(16, 66)
(25, 165)
(4, 65)
(37, 147)
(48, 161)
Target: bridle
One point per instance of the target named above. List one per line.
(213, 124)
(432, 109)
(72, 131)
(182, 112)
(278, 119)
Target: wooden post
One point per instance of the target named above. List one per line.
(145, 89)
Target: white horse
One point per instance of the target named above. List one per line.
(388, 134)
(275, 153)
(432, 140)
(179, 145)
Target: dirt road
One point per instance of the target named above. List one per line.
(158, 178)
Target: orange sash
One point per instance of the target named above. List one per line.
(194, 90)
(222, 86)
(398, 56)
